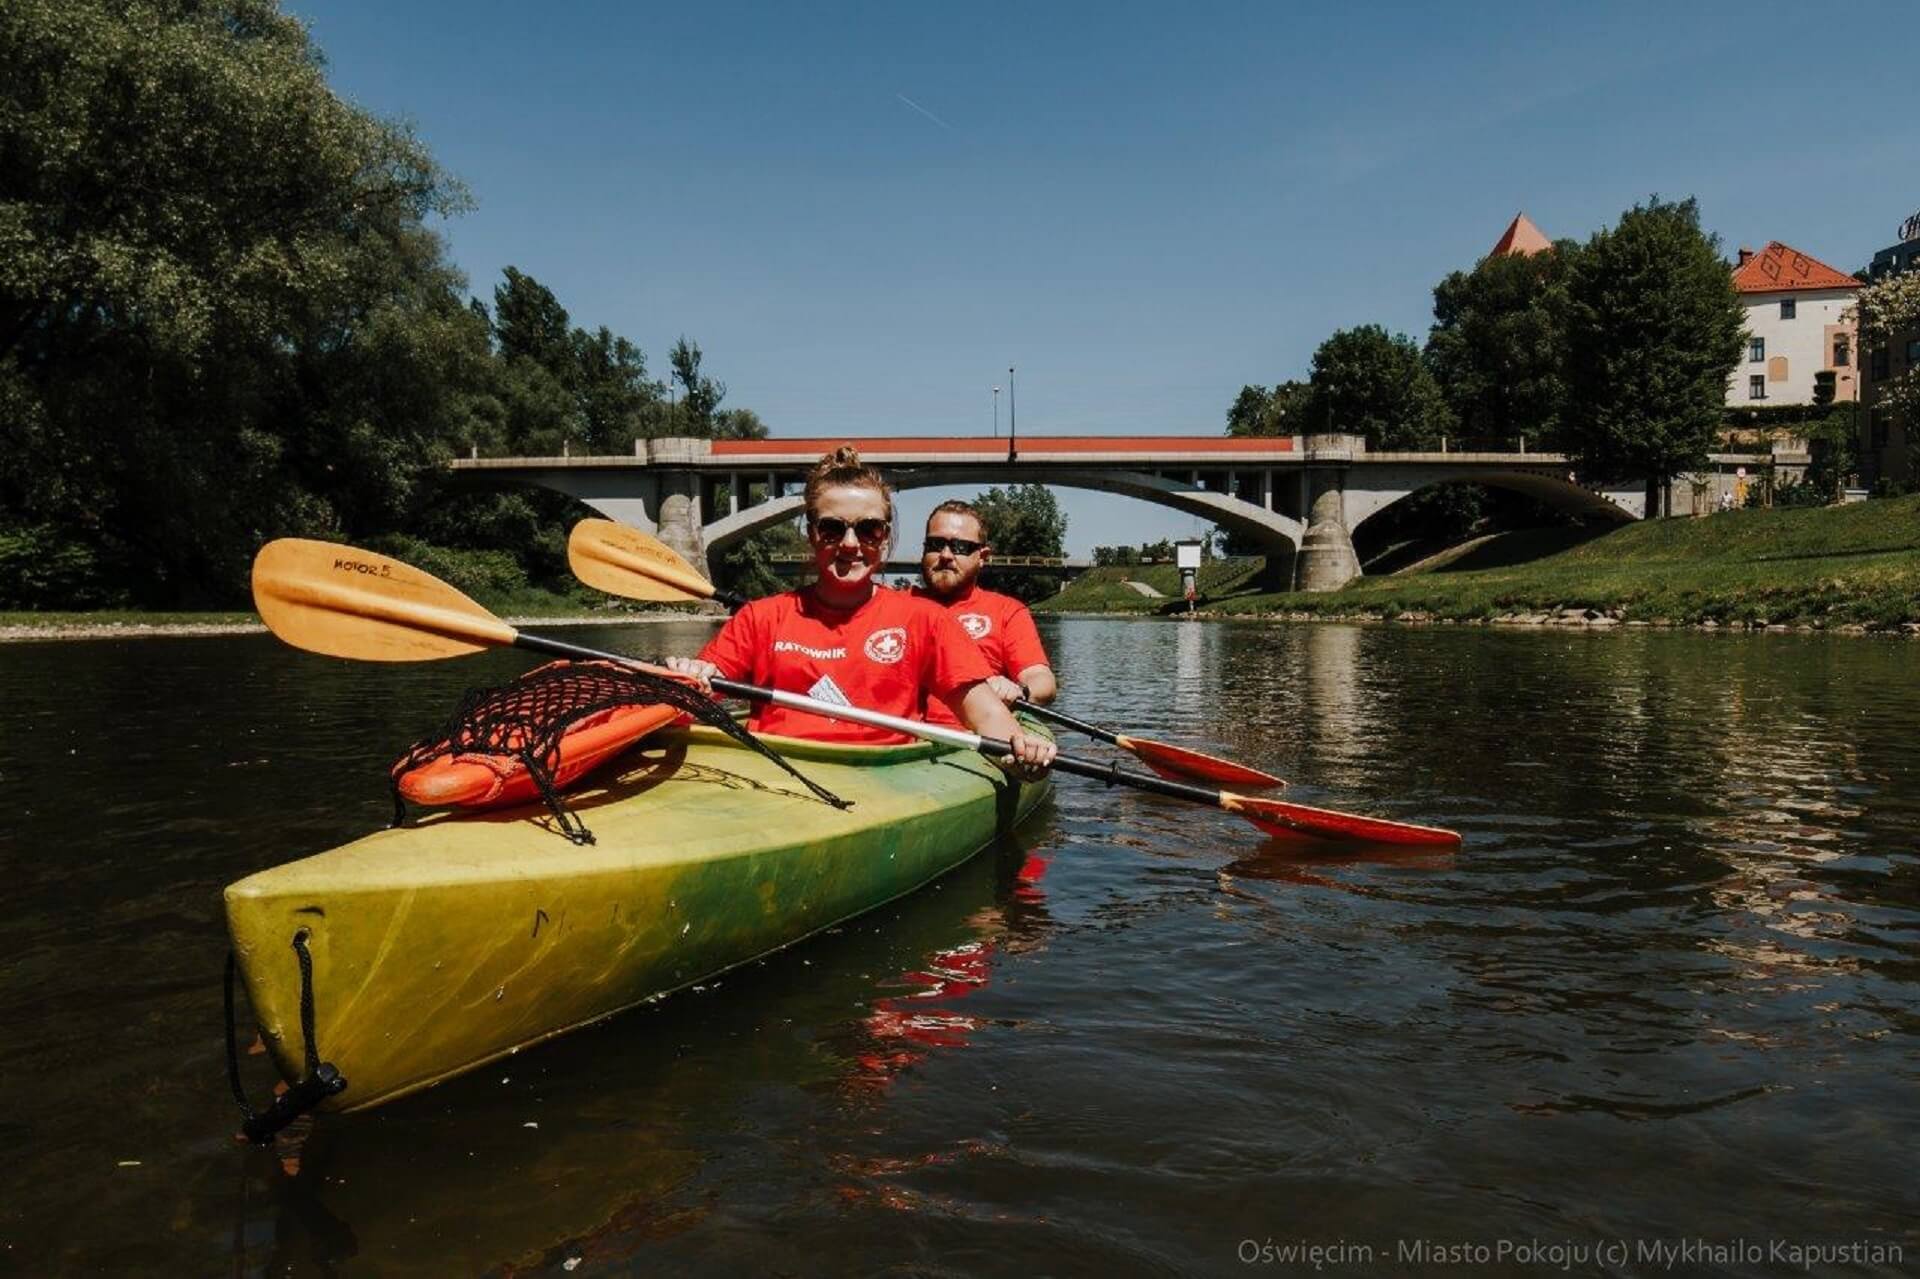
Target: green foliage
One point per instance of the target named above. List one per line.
(1654, 330)
(700, 396)
(1833, 447)
(746, 566)
(1366, 382)
(1104, 590)
(1889, 313)
(484, 574)
(1022, 519)
(222, 316)
(1498, 347)
(42, 567)
(1267, 411)
(738, 424)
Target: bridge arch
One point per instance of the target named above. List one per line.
(1269, 528)
(1370, 493)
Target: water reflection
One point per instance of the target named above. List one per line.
(903, 1029)
(1670, 987)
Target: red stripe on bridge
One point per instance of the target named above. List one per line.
(1145, 445)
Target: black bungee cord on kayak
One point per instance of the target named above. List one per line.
(320, 1082)
(527, 717)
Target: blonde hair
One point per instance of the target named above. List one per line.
(843, 468)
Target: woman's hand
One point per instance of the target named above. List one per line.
(701, 673)
(984, 712)
(1032, 755)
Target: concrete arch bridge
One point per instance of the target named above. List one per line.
(1300, 494)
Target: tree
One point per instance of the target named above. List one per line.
(1887, 311)
(738, 424)
(613, 391)
(530, 324)
(1654, 330)
(1023, 519)
(1498, 346)
(699, 396)
(222, 314)
(1260, 410)
(1368, 383)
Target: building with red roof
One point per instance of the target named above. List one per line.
(1521, 239)
(1798, 330)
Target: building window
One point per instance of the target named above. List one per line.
(1877, 424)
(1757, 387)
(1756, 350)
(1881, 364)
(1786, 307)
(1842, 352)
(1913, 352)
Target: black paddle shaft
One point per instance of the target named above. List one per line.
(1064, 720)
(1111, 774)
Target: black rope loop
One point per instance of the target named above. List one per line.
(322, 1079)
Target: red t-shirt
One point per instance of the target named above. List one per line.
(894, 653)
(1000, 625)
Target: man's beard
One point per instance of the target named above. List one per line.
(955, 580)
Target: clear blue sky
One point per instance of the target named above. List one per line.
(865, 213)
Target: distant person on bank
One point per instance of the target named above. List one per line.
(955, 550)
(846, 639)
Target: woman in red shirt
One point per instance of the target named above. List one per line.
(847, 639)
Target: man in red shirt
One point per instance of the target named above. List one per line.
(844, 638)
(955, 550)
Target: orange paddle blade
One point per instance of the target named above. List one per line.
(621, 560)
(346, 602)
(1302, 821)
(1178, 763)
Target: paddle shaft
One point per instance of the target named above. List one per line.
(1064, 720)
(1111, 774)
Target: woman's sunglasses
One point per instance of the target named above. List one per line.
(960, 546)
(871, 531)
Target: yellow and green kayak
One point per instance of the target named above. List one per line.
(439, 947)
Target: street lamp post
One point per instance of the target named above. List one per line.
(996, 412)
(1013, 423)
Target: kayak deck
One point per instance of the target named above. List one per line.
(440, 947)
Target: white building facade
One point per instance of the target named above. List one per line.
(1798, 332)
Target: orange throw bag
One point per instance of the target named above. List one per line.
(497, 779)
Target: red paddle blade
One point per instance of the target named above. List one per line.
(1301, 821)
(1177, 763)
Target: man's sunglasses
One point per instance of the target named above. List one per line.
(960, 546)
(833, 529)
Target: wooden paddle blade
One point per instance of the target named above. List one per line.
(1179, 763)
(1301, 821)
(346, 602)
(621, 560)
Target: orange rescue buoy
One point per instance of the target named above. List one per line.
(497, 781)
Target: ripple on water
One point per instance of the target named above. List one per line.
(1670, 986)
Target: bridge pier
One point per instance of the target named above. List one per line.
(678, 516)
(1326, 560)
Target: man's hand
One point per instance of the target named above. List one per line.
(1005, 689)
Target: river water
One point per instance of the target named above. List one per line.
(1666, 997)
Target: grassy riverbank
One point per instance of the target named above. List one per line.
(1855, 565)
(131, 623)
